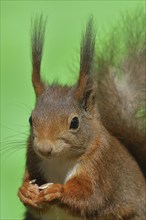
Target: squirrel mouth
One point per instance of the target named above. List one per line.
(47, 155)
(43, 154)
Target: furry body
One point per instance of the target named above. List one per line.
(76, 136)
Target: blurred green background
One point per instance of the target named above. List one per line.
(66, 20)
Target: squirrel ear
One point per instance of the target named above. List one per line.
(85, 89)
(37, 40)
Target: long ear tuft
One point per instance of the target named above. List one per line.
(37, 42)
(85, 84)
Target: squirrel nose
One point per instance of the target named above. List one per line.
(45, 149)
(45, 152)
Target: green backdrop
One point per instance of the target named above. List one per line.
(66, 20)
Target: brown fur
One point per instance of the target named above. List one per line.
(123, 97)
(121, 88)
(106, 182)
(38, 33)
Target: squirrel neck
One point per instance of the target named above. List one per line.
(58, 170)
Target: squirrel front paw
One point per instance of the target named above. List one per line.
(38, 198)
(28, 194)
(52, 192)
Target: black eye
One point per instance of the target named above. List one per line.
(30, 120)
(74, 123)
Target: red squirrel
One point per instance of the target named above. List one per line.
(76, 168)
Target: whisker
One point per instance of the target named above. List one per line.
(22, 106)
(4, 148)
(9, 145)
(12, 146)
(9, 149)
(17, 131)
(13, 142)
(11, 153)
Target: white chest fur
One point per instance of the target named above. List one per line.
(58, 171)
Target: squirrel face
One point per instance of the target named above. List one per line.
(63, 119)
(59, 124)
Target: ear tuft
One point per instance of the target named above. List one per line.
(85, 86)
(37, 41)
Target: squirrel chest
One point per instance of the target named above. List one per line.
(58, 171)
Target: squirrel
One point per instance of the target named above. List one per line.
(80, 161)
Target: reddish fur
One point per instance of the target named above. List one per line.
(39, 86)
(108, 183)
(91, 191)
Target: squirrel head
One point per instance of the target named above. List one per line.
(63, 118)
